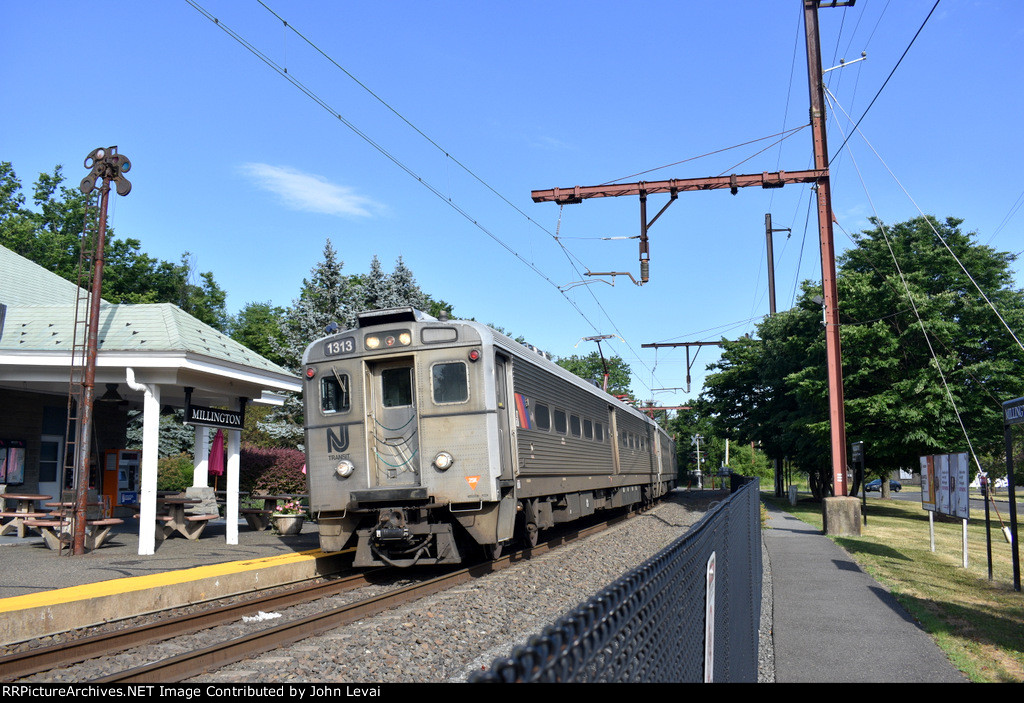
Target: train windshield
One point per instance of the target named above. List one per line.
(334, 393)
(450, 382)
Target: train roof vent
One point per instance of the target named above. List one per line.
(372, 318)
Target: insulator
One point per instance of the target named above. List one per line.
(645, 270)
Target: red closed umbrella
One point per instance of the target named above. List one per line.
(215, 467)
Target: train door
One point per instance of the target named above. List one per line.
(392, 424)
(613, 437)
(501, 366)
(654, 440)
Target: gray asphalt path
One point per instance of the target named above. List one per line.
(832, 623)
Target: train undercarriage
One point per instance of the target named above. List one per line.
(432, 534)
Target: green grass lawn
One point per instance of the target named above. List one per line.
(978, 622)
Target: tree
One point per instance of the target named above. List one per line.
(773, 389)
(955, 366)
(51, 236)
(329, 296)
(592, 368)
(258, 327)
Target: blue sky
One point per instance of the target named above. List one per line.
(233, 163)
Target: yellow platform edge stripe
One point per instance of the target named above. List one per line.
(140, 583)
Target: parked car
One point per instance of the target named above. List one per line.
(876, 485)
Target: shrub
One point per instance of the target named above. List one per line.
(271, 471)
(174, 473)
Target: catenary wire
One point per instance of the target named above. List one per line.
(886, 82)
(910, 298)
(283, 72)
(935, 232)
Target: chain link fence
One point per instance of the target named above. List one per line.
(689, 614)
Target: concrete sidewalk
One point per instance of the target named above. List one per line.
(833, 623)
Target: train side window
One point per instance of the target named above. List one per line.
(451, 382)
(334, 393)
(560, 424)
(599, 432)
(574, 426)
(541, 417)
(588, 429)
(396, 386)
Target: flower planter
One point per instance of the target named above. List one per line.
(287, 524)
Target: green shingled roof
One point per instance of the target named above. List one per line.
(24, 282)
(38, 319)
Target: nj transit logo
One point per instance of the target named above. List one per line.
(337, 443)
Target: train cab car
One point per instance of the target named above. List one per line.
(428, 439)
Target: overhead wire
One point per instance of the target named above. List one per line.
(283, 72)
(569, 255)
(910, 297)
(939, 236)
(785, 133)
(378, 147)
(1009, 215)
(886, 82)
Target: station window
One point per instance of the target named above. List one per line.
(574, 426)
(396, 386)
(451, 382)
(588, 429)
(541, 417)
(334, 393)
(599, 432)
(560, 423)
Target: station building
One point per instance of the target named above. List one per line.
(150, 358)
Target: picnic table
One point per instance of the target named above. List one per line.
(171, 517)
(56, 530)
(25, 509)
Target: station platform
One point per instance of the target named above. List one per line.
(43, 591)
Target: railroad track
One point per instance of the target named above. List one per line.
(193, 663)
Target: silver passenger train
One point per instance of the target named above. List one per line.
(425, 437)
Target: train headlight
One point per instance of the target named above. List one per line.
(372, 342)
(443, 461)
(345, 468)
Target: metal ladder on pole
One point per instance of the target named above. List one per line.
(80, 339)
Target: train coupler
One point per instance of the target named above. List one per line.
(393, 541)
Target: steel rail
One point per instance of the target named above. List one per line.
(66, 653)
(190, 664)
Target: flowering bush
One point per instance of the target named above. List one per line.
(272, 471)
(291, 507)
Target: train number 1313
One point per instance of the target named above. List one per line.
(335, 347)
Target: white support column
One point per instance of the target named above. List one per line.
(201, 458)
(150, 454)
(231, 509)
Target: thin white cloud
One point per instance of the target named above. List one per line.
(310, 193)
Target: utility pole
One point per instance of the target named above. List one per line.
(106, 166)
(768, 232)
(819, 176)
(833, 350)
